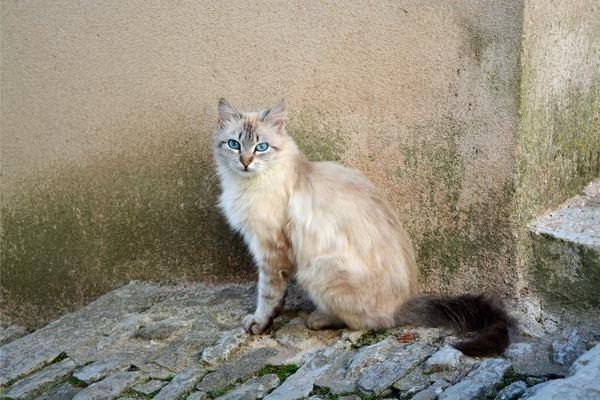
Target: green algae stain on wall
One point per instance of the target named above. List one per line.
(559, 145)
(568, 275)
(316, 141)
(76, 234)
(439, 164)
(481, 238)
(477, 41)
(459, 243)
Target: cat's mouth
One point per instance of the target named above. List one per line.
(245, 171)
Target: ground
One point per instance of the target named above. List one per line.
(150, 340)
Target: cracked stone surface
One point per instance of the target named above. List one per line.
(185, 342)
(182, 383)
(111, 387)
(480, 382)
(34, 383)
(300, 384)
(378, 378)
(432, 391)
(577, 220)
(227, 344)
(254, 388)
(512, 391)
(446, 358)
(566, 244)
(149, 388)
(64, 391)
(334, 377)
(241, 368)
(583, 382)
(100, 369)
(567, 348)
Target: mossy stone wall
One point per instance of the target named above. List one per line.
(559, 129)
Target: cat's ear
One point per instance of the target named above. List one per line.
(226, 112)
(276, 115)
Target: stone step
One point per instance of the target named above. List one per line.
(566, 247)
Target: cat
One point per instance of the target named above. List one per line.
(330, 229)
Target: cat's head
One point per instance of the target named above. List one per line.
(250, 143)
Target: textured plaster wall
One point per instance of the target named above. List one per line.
(107, 109)
(559, 129)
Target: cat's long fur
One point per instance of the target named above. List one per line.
(331, 229)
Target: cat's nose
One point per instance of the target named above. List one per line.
(246, 159)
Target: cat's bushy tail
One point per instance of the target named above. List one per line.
(482, 315)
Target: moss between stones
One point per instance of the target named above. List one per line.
(132, 394)
(76, 382)
(220, 392)
(372, 337)
(282, 371)
(509, 377)
(59, 358)
(367, 396)
(323, 393)
(56, 359)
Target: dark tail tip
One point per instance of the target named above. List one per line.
(491, 340)
(483, 316)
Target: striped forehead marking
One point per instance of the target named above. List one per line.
(248, 129)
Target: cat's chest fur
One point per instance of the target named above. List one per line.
(257, 211)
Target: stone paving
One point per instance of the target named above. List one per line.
(148, 340)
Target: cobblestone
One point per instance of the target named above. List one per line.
(181, 384)
(111, 387)
(34, 383)
(185, 342)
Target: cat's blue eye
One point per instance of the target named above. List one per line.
(234, 144)
(262, 146)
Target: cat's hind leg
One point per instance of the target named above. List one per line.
(345, 292)
(318, 320)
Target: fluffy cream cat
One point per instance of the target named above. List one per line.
(333, 231)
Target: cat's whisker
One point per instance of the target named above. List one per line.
(210, 182)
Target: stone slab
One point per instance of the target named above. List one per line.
(110, 387)
(480, 382)
(34, 383)
(182, 383)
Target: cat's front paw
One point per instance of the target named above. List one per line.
(254, 325)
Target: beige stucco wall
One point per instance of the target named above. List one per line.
(107, 109)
